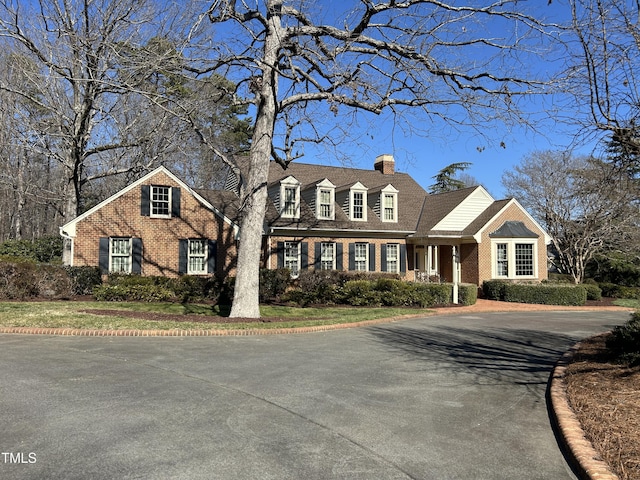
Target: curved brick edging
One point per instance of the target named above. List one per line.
(78, 332)
(584, 457)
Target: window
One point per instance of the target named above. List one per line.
(514, 259)
(325, 204)
(327, 256)
(358, 205)
(160, 201)
(389, 207)
(289, 204)
(524, 260)
(393, 253)
(502, 262)
(292, 257)
(290, 198)
(361, 251)
(197, 257)
(120, 255)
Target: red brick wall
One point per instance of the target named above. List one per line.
(160, 236)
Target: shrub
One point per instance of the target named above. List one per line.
(360, 293)
(548, 294)
(23, 279)
(593, 291)
(467, 294)
(132, 293)
(619, 291)
(273, 283)
(43, 250)
(624, 341)
(494, 289)
(84, 279)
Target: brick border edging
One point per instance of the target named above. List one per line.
(584, 457)
(78, 332)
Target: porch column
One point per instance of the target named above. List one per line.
(455, 267)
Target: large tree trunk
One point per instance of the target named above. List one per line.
(254, 192)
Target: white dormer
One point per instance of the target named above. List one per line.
(389, 204)
(358, 202)
(325, 200)
(290, 197)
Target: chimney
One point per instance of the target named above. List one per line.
(385, 164)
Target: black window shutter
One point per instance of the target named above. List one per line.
(103, 255)
(372, 257)
(304, 255)
(352, 256)
(383, 258)
(280, 254)
(403, 258)
(212, 249)
(136, 255)
(338, 256)
(145, 200)
(317, 249)
(175, 202)
(183, 247)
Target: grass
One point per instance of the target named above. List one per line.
(627, 302)
(71, 315)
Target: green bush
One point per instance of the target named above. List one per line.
(624, 341)
(132, 293)
(44, 250)
(467, 294)
(594, 292)
(547, 294)
(273, 284)
(84, 279)
(23, 278)
(494, 289)
(360, 293)
(619, 291)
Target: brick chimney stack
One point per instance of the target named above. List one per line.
(385, 164)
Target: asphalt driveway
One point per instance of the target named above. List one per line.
(445, 397)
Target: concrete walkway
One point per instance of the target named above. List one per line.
(458, 396)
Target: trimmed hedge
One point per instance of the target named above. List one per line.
(545, 294)
(119, 288)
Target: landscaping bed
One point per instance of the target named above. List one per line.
(605, 396)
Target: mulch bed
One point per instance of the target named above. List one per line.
(605, 396)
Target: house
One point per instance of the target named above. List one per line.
(318, 217)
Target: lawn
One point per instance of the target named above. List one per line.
(175, 316)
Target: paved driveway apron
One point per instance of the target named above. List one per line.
(445, 397)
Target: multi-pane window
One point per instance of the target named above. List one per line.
(292, 257)
(393, 253)
(325, 204)
(290, 202)
(160, 201)
(502, 260)
(358, 205)
(360, 256)
(389, 207)
(197, 257)
(513, 260)
(327, 256)
(120, 255)
(524, 259)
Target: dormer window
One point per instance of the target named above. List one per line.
(358, 202)
(389, 200)
(290, 198)
(325, 200)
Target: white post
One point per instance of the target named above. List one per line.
(456, 263)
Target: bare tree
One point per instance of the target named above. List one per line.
(308, 70)
(604, 69)
(585, 204)
(76, 47)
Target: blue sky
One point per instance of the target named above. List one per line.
(422, 156)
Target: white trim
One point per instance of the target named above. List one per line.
(392, 192)
(511, 258)
(463, 214)
(478, 235)
(358, 188)
(326, 185)
(293, 183)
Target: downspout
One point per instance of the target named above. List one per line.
(68, 242)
